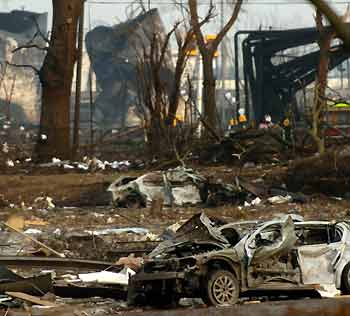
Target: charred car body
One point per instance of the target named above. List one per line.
(219, 263)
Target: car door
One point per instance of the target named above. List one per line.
(318, 253)
(269, 253)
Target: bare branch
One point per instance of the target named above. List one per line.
(228, 25)
(166, 42)
(195, 23)
(38, 32)
(31, 44)
(37, 71)
(27, 46)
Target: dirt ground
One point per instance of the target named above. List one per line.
(82, 203)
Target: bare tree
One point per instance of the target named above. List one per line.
(207, 51)
(55, 77)
(153, 90)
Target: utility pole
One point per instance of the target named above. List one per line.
(222, 59)
(78, 82)
(222, 66)
(92, 109)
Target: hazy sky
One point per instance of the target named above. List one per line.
(275, 13)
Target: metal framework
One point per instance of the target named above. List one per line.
(269, 85)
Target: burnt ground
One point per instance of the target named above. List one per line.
(82, 203)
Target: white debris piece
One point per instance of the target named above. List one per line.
(110, 220)
(151, 237)
(110, 231)
(56, 160)
(328, 290)
(21, 128)
(107, 277)
(28, 160)
(10, 163)
(43, 202)
(57, 232)
(95, 163)
(67, 166)
(279, 199)
(5, 148)
(43, 137)
(50, 203)
(98, 214)
(256, 201)
(33, 231)
(52, 272)
(69, 277)
(6, 299)
(83, 166)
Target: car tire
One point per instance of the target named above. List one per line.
(222, 288)
(345, 280)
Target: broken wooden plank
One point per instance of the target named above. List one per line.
(61, 255)
(32, 299)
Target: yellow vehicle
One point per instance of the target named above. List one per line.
(338, 118)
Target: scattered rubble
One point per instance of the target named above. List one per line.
(88, 164)
(248, 146)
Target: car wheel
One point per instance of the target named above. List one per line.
(345, 280)
(222, 288)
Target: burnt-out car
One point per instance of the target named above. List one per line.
(276, 255)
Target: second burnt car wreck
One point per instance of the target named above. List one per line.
(221, 262)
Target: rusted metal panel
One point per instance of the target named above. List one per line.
(326, 307)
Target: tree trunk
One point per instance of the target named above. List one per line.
(209, 100)
(175, 94)
(56, 78)
(320, 101)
